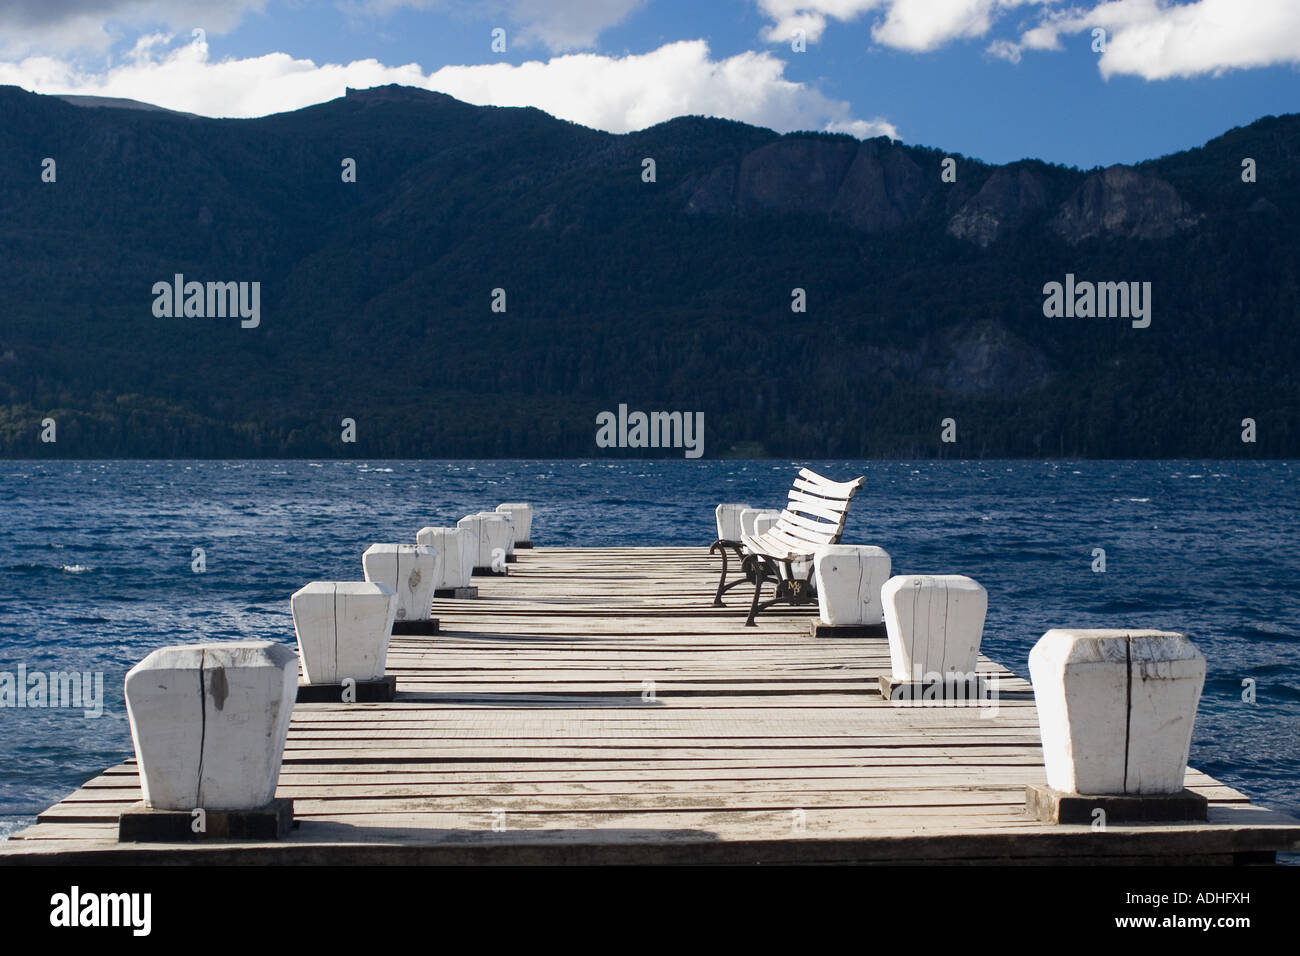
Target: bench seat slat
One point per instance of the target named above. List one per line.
(791, 540)
(783, 549)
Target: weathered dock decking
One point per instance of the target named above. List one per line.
(525, 733)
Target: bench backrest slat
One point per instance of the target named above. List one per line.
(821, 492)
(812, 505)
(820, 532)
(840, 489)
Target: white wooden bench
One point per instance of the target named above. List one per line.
(813, 516)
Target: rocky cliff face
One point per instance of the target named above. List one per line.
(712, 194)
(872, 185)
(983, 358)
(882, 189)
(1122, 202)
(876, 186)
(1007, 200)
(793, 175)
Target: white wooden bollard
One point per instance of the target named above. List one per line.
(510, 540)
(754, 521)
(801, 569)
(469, 543)
(523, 515)
(209, 722)
(490, 535)
(934, 623)
(1115, 711)
(727, 517)
(343, 629)
(410, 570)
(457, 548)
(849, 578)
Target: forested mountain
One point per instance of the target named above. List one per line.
(924, 297)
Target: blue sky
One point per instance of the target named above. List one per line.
(995, 79)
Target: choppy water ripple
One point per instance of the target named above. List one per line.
(95, 566)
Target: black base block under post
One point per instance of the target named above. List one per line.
(425, 626)
(363, 692)
(142, 824)
(1054, 806)
(487, 571)
(948, 688)
(817, 629)
(512, 559)
(523, 544)
(457, 594)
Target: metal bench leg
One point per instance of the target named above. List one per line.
(720, 546)
(753, 607)
(761, 569)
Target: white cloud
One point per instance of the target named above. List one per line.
(559, 25)
(915, 25)
(29, 27)
(1154, 39)
(1158, 39)
(563, 25)
(632, 92)
(922, 25)
(617, 94)
(47, 26)
(1005, 50)
(862, 129)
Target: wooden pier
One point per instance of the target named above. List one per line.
(592, 707)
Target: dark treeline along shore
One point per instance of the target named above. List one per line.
(924, 298)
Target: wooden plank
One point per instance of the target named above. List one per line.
(790, 790)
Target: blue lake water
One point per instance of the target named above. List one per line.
(95, 566)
